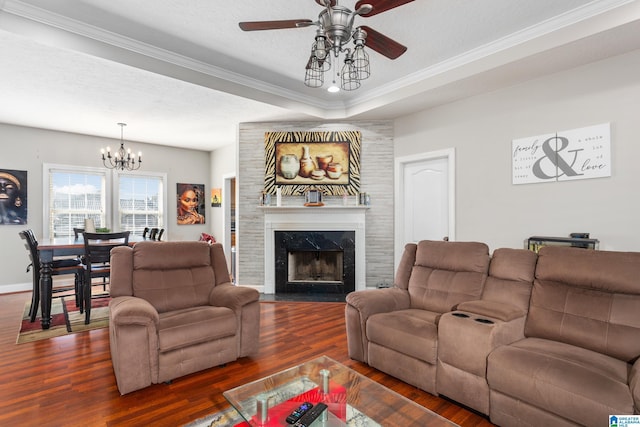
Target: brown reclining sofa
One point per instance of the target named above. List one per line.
(551, 339)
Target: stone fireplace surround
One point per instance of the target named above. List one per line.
(326, 218)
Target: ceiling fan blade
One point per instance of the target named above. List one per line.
(383, 44)
(380, 6)
(273, 25)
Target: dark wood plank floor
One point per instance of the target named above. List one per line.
(69, 381)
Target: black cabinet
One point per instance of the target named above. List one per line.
(534, 243)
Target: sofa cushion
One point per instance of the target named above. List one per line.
(511, 275)
(589, 299)
(174, 289)
(572, 382)
(447, 273)
(605, 322)
(182, 328)
(411, 332)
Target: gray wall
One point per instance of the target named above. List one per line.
(376, 163)
(25, 148)
(492, 210)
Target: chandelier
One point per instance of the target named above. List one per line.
(335, 30)
(121, 159)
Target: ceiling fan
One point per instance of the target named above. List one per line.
(335, 29)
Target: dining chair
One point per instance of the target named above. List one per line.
(59, 267)
(77, 232)
(160, 233)
(145, 232)
(97, 253)
(154, 233)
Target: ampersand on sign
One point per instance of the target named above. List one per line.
(561, 167)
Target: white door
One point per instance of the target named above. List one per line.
(424, 198)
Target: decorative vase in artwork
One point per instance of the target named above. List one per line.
(306, 163)
(324, 160)
(289, 166)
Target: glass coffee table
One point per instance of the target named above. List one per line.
(352, 399)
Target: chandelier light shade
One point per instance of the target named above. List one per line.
(121, 159)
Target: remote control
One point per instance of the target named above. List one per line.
(311, 415)
(299, 412)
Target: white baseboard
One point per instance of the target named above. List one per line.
(17, 287)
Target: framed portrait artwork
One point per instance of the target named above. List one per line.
(191, 204)
(327, 161)
(13, 196)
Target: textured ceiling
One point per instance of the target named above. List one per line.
(182, 73)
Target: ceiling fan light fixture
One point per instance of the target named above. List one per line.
(349, 75)
(360, 56)
(314, 75)
(335, 28)
(320, 47)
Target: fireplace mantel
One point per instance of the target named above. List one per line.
(322, 218)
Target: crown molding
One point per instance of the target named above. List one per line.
(308, 104)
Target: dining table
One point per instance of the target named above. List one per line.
(49, 249)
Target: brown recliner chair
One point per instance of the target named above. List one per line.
(175, 312)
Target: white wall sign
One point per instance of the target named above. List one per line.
(574, 154)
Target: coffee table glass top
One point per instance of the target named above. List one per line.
(352, 398)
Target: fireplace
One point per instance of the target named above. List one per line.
(316, 221)
(314, 261)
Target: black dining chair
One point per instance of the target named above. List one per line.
(160, 233)
(97, 254)
(77, 232)
(154, 233)
(59, 267)
(145, 232)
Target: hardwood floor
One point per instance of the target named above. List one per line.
(69, 380)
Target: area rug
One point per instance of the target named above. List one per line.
(65, 319)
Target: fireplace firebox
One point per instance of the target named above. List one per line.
(314, 261)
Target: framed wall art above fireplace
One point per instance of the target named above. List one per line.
(328, 161)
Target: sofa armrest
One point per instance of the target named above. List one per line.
(495, 309)
(634, 384)
(363, 304)
(372, 301)
(233, 297)
(132, 311)
(133, 340)
(245, 304)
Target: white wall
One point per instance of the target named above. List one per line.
(223, 163)
(24, 148)
(492, 210)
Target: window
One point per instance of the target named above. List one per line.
(76, 193)
(140, 201)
